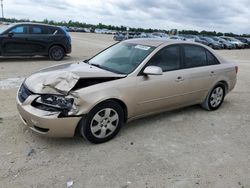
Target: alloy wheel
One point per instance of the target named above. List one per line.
(104, 123)
(216, 97)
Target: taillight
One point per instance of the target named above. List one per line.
(236, 69)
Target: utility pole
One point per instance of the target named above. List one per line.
(2, 8)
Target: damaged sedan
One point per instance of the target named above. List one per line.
(129, 80)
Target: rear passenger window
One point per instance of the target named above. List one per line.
(211, 60)
(53, 30)
(167, 58)
(194, 56)
(38, 30)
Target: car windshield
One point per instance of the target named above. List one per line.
(122, 58)
(236, 40)
(4, 28)
(189, 37)
(221, 39)
(209, 40)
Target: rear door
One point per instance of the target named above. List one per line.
(200, 64)
(14, 42)
(158, 92)
(39, 39)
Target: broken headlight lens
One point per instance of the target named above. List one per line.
(56, 101)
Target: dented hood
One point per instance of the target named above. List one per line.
(61, 79)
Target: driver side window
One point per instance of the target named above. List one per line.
(167, 58)
(19, 30)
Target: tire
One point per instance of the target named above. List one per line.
(56, 53)
(214, 98)
(102, 123)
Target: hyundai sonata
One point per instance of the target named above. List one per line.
(129, 80)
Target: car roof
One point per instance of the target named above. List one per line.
(226, 37)
(155, 42)
(31, 23)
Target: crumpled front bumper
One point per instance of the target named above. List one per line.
(44, 122)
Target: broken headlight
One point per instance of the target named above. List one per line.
(56, 101)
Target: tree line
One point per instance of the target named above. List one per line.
(71, 23)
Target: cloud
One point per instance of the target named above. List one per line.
(218, 15)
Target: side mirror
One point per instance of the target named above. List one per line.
(10, 34)
(152, 70)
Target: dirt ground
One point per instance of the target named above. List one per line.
(186, 148)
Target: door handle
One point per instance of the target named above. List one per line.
(179, 79)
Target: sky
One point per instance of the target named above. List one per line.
(211, 15)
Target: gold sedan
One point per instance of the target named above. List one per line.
(129, 80)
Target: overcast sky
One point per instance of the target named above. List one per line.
(218, 15)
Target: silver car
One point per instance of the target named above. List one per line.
(129, 80)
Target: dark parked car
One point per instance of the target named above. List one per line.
(238, 44)
(119, 37)
(212, 43)
(226, 44)
(199, 40)
(29, 39)
(246, 41)
(176, 37)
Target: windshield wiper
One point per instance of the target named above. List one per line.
(106, 68)
(96, 65)
(86, 61)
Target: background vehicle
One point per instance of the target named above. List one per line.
(119, 37)
(142, 35)
(29, 39)
(226, 44)
(213, 44)
(199, 40)
(246, 41)
(177, 37)
(129, 80)
(238, 44)
(160, 35)
(190, 38)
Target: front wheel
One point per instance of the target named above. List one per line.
(102, 123)
(56, 53)
(215, 98)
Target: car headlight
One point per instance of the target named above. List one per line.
(56, 101)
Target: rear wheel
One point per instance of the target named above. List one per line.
(103, 122)
(215, 98)
(56, 53)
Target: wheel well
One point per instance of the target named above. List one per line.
(225, 85)
(121, 103)
(57, 45)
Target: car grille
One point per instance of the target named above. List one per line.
(23, 93)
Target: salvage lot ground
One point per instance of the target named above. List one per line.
(185, 148)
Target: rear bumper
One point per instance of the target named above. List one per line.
(46, 123)
(68, 49)
(232, 84)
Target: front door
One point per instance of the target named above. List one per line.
(39, 39)
(15, 41)
(159, 92)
